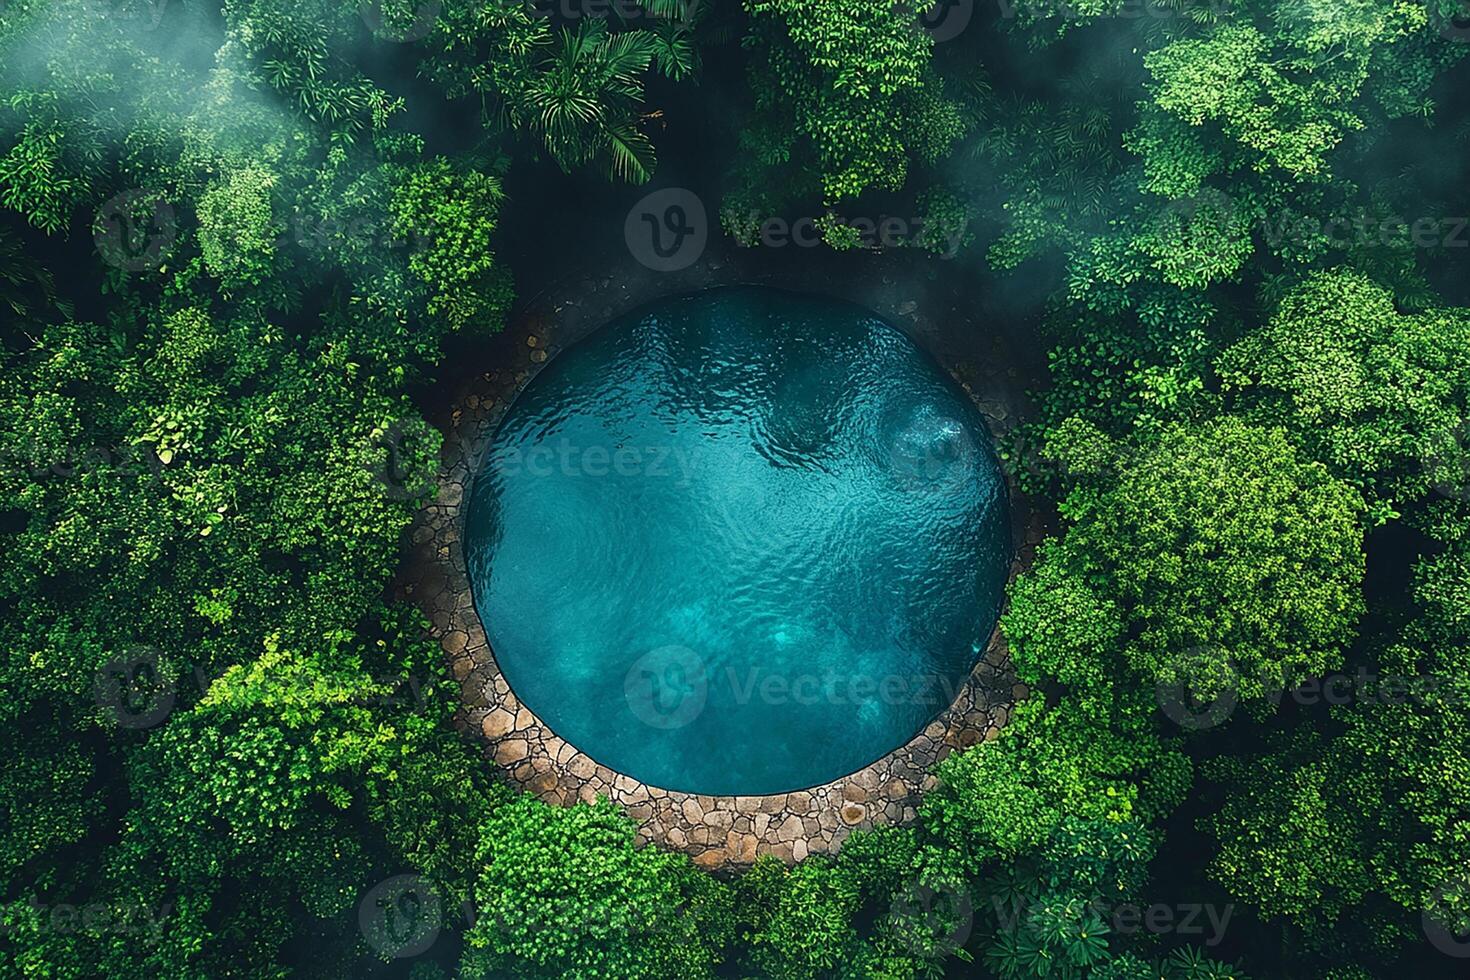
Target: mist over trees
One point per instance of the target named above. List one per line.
(240, 241)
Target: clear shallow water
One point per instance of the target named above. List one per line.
(742, 542)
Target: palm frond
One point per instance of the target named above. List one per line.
(630, 154)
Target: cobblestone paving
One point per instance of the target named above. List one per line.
(718, 831)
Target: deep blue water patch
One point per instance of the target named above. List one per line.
(742, 542)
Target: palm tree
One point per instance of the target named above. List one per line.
(583, 97)
(577, 91)
(26, 286)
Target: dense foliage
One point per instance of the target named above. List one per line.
(237, 240)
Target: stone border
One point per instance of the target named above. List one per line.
(723, 831)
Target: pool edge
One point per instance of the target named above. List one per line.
(717, 831)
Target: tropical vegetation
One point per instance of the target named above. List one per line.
(243, 243)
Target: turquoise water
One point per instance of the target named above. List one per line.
(741, 542)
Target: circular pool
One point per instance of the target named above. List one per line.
(739, 543)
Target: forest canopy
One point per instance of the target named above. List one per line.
(242, 245)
